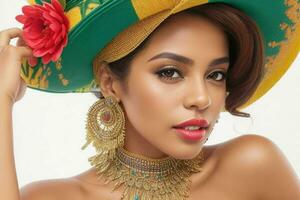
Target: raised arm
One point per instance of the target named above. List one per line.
(12, 89)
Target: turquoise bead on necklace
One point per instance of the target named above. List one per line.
(136, 197)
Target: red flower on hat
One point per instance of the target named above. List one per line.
(45, 30)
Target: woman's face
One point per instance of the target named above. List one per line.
(178, 76)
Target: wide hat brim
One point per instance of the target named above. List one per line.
(94, 23)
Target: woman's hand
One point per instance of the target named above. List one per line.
(12, 86)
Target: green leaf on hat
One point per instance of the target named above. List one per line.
(63, 3)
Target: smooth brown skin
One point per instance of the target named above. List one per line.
(246, 167)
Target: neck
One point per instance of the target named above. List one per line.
(136, 144)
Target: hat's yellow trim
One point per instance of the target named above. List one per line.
(289, 48)
(285, 58)
(91, 7)
(185, 4)
(144, 9)
(129, 39)
(74, 16)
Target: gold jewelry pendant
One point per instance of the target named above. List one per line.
(105, 125)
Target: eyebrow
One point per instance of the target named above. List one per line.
(188, 61)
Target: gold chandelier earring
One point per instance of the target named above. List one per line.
(105, 125)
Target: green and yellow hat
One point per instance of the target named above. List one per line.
(79, 29)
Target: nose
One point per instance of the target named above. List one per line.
(197, 96)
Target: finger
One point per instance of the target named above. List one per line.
(21, 42)
(7, 35)
(25, 51)
(21, 90)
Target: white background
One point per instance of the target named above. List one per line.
(49, 129)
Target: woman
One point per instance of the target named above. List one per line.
(150, 136)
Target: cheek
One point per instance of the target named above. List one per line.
(218, 98)
(147, 102)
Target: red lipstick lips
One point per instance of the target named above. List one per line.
(194, 122)
(192, 133)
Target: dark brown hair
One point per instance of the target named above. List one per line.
(246, 53)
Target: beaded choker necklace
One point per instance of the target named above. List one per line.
(144, 178)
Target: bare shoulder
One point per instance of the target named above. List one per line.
(57, 189)
(251, 151)
(261, 165)
(84, 186)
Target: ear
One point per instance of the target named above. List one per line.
(108, 83)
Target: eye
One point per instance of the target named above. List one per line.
(169, 73)
(218, 75)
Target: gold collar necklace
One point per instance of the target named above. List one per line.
(144, 178)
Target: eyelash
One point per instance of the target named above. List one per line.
(161, 72)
